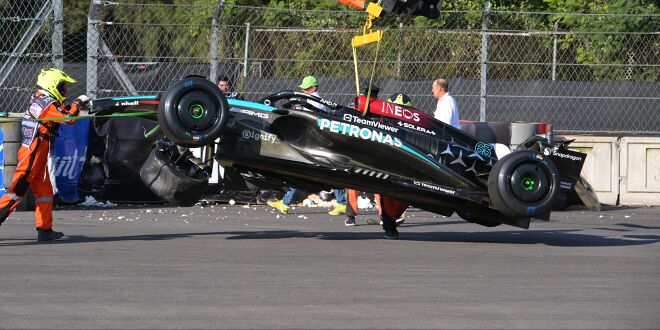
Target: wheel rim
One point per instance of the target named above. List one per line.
(529, 182)
(197, 111)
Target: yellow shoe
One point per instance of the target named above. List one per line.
(339, 209)
(279, 205)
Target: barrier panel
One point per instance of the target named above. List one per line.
(12, 139)
(640, 172)
(601, 168)
(68, 158)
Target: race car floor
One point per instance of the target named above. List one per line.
(222, 266)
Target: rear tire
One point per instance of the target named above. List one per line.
(193, 112)
(523, 184)
(182, 184)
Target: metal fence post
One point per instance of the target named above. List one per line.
(214, 40)
(247, 44)
(92, 48)
(58, 35)
(399, 49)
(554, 50)
(484, 63)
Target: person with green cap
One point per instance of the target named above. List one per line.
(310, 85)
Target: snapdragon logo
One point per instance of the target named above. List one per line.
(358, 132)
(68, 166)
(571, 157)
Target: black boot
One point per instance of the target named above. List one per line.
(389, 226)
(45, 235)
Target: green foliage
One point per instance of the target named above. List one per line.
(182, 33)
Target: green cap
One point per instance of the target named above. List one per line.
(308, 82)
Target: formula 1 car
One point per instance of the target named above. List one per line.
(291, 139)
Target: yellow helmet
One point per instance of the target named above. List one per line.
(54, 82)
(400, 98)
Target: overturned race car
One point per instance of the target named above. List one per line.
(291, 139)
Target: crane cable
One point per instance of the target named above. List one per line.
(368, 37)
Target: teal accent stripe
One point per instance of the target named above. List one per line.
(407, 148)
(250, 105)
(132, 98)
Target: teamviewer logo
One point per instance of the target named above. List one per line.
(348, 117)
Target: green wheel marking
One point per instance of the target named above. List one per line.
(197, 111)
(528, 183)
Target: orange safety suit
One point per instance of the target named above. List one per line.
(389, 209)
(32, 169)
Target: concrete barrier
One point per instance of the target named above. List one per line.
(12, 142)
(640, 171)
(601, 168)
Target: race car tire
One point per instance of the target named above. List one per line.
(193, 112)
(182, 184)
(523, 184)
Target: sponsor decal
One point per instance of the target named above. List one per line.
(567, 156)
(68, 165)
(484, 149)
(531, 209)
(358, 132)
(259, 136)
(250, 112)
(565, 185)
(372, 173)
(415, 128)
(126, 103)
(399, 111)
(371, 123)
(434, 187)
(329, 103)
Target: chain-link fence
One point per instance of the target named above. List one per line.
(581, 72)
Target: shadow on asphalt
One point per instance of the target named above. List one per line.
(560, 238)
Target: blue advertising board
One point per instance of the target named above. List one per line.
(69, 157)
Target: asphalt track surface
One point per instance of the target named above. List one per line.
(244, 267)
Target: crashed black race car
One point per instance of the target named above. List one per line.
(294, 139)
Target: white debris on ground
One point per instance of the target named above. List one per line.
(364, 203)
(90, 201)
(315, 201)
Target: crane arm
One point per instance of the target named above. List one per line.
(426, 8)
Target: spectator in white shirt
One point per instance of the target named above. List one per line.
(447, 108)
